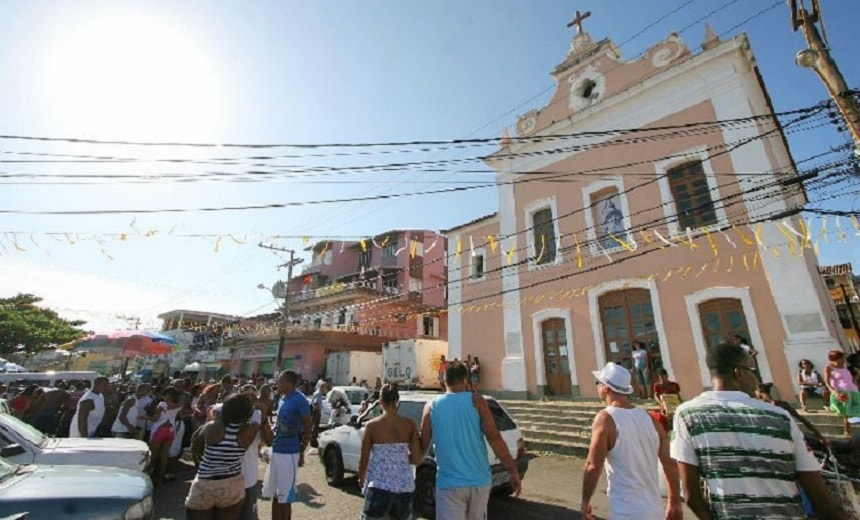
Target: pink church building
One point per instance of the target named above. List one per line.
(650, 200)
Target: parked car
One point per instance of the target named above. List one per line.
(340, 450)
(20, 443)
(353, 394)
(73, 492)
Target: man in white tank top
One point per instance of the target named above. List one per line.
(91, 410)
(628, 442)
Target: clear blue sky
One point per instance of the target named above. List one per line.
(311, 72)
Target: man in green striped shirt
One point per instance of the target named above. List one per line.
(750, 453)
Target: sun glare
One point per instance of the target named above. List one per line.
(132, 77)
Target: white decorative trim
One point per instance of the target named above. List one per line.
(668, 92)
(595, 292)
(537, 336)
(592, 188)
(663, 56)
(532, 251)
(482, 252)
(699, 153)
(737, 293)
(455, 296)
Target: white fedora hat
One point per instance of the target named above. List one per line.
(615, 377)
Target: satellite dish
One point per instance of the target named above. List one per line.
(279, 290)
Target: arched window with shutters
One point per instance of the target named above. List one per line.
(721, 319)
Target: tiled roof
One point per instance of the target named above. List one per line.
(476, 221)
(835, 269)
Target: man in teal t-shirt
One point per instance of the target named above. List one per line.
(457, 422)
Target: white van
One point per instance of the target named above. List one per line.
(47, 379)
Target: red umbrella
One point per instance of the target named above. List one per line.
(129, 342)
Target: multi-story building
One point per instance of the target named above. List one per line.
(201, 336)
(353, 296)
(647, 201)
(842, 285)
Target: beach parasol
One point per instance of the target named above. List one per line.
(127, 342)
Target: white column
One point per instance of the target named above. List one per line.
(455, 296)
(514, 363)
(794, 283)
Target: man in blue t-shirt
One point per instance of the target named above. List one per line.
(292, 433)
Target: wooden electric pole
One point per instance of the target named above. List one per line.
(279, 358)
(817, 57)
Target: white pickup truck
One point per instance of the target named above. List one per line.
(20, 443)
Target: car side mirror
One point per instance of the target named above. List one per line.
(12, 450)
(353, 421)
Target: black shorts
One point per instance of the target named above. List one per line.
(378, 503)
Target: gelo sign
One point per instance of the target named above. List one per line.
(397, 373)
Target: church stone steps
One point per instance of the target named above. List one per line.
(564, 426)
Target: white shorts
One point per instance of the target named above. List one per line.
(280, 480)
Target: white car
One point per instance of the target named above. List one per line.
(340, 450)
(20, 443)
(353, 394)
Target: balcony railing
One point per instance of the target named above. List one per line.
(338, 288)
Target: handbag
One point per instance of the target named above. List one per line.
(841, 490)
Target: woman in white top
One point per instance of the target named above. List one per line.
(90, 410)
(811, 383)
(163, 434)
(640, 368)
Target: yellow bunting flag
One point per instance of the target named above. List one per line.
(755, 260)
(668, 274)
(731, 264)
(305, 240)
(711, 242)
(123, 237)
(363, 245)
(757, 234)
(717, 264)
(702, 269)
(775, 252)
(512, 251)
(414, 249)
(578, 251)
(746, 240)
(218, 244)
(792, 246)
(646, 236)
(856, 224)
(492, 240)
(804, 230)
(824, 228)
(151, 233)
(234, 239)
(746, 262)
(459, 249)
(621, 243)
(542, 248)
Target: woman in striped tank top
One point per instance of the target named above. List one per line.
(220, 447)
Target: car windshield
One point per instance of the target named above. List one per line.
(500, 417)
(355, 396)
(29, 433)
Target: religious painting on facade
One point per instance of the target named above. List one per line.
(608, 219)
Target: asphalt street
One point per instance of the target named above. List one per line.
(551, 491)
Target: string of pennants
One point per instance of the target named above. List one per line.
(749, 261)
(20, 242)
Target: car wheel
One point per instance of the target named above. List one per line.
(425, 493)
(333, 468)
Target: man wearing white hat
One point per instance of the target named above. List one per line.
(628, 442)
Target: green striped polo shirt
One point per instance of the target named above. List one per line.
(748, 451)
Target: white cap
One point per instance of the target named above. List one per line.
(616, 377)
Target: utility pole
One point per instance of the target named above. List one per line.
(817, 57)
(286, 321)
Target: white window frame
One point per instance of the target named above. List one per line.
(482, 252)
(528, 223)
(415, 285)
(594, 294)
(537, 337)
(434, 331)
(662, 168)
(587, 192)
(736, 293)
